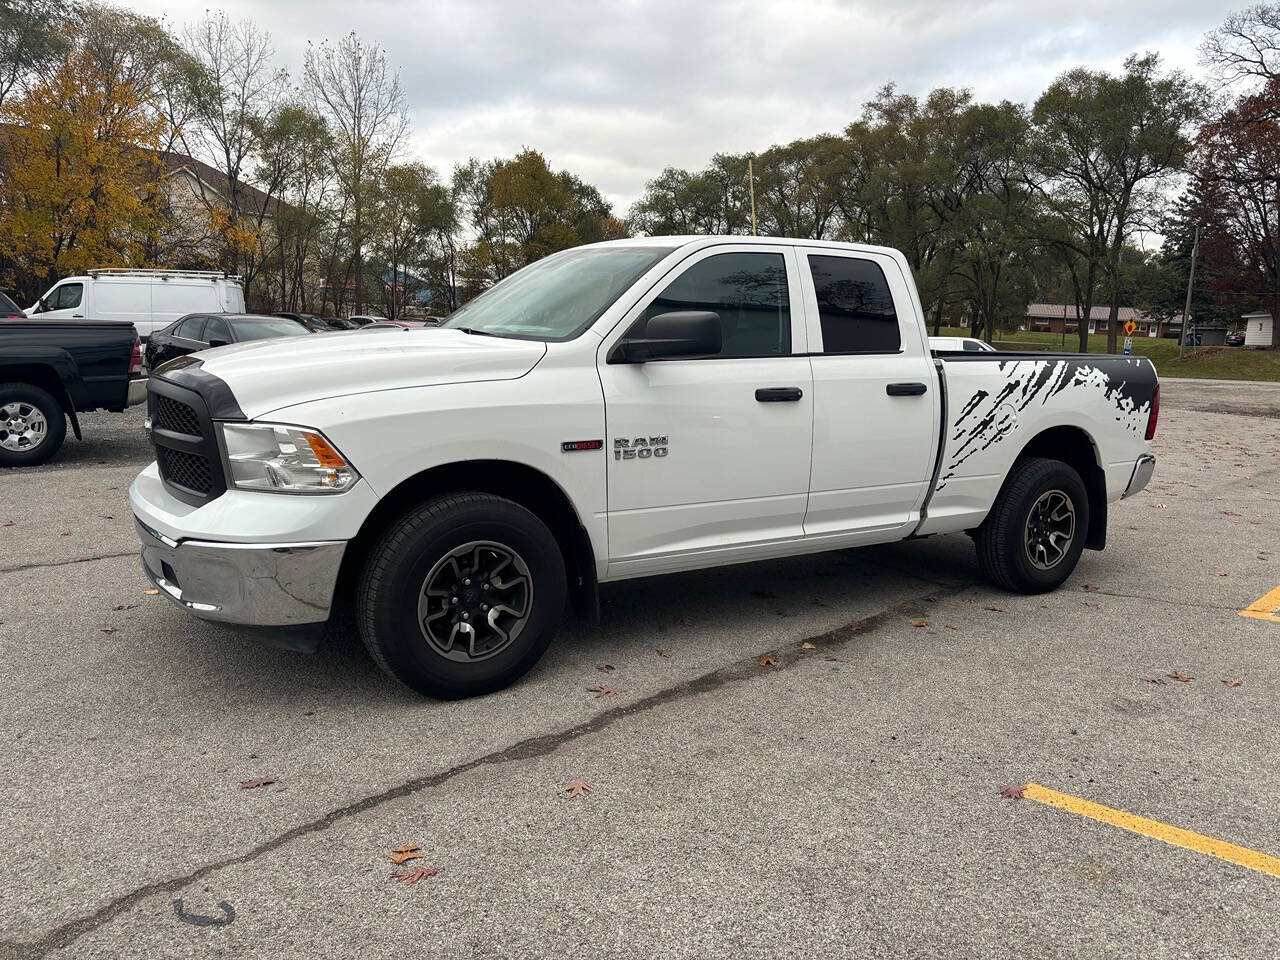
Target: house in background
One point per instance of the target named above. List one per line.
(1063, 318)
(1257, 329)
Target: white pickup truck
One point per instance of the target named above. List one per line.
(616, 410)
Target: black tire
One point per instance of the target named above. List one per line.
(20, 395)
(1002, 540)
(413, 548)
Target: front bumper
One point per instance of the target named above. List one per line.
(249, 584)
(1142, 471)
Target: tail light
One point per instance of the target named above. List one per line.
(1154, 415)
(135, 363)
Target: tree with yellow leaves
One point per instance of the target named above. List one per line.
(80, 185)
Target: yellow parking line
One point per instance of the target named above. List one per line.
(1240, 856)
(1265, 608)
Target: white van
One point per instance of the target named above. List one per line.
(150, 299)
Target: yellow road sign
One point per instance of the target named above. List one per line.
(1129, 327)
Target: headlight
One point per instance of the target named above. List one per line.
(268, 456)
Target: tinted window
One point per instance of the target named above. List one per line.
(189, 328)
(972, 346)
(216, 329)
(855, 306)
(69, 295)
(748, 290)
(8, 308)
(266, 329)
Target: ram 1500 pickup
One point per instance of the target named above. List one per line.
(616, 410)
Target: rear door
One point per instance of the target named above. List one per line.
(708, 458)
(875, 395)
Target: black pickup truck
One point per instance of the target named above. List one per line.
(50, 370)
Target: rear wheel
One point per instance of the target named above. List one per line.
(32, 425)
(1035, 533)
(462, 595)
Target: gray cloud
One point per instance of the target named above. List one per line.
(617, 90)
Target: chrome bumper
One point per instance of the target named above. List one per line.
(137, 392)
(252, 584)
(1142, 471)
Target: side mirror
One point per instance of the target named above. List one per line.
(42, 306)
(681, 333)
(217, 343)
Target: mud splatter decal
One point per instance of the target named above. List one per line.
(1124, 385)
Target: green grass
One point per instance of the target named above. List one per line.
(1213, 363)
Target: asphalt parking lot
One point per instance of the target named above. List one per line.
(803, 757)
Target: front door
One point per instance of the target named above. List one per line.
(708, 457)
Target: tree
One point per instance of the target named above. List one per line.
(412, 208)
(354, 88)
(1107, 148)
(82, 181)
(31, 39)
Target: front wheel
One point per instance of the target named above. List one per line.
(1035, 532)
(32, 425)
(462, 595)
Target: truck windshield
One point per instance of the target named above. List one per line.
(559, 296)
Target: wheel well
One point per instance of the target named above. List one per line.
(523, 484)
(1074, 447)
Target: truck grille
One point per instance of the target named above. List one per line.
(175, 415)
(186, 445)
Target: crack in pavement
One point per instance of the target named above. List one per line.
(789, 655)
(1198, 604)
(65, 563)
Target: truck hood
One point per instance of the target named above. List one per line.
(266, 375)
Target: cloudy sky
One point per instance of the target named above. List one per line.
(615, 90)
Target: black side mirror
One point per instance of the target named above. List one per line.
(217, 343)
(681, 333)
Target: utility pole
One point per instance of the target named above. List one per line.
(1186, 308)
(751, 185)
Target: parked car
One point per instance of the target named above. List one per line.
(618, 410)
(341, 323)
(149, 299)
(309, 320)
(399, 324)
(52, 370)
(960, 344)
(8, 309)
(363, 319)
(201, 331)
(1235, 338)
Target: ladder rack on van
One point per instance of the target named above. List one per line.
(163, 274)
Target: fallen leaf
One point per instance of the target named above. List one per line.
(255, 783)
(949, 626)
(602, 691)
(1091, 587)
(684, 622)
(8, 523)
(124, 606)
(768, 660)
(150, 593)
(1234, 682)
(65, 533)
(577, 788)
(1013, 791)
(764, 594)
(413, 876)
(662, 651)
(1091, 603)
(919, 623)
(404, 853)
(808, 646)
(605, 667)
(1230, 513)
(1180, 677)
(994, 609)
(1159, 681)
(1220, 573)
(1158, 506)
(109, 630)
